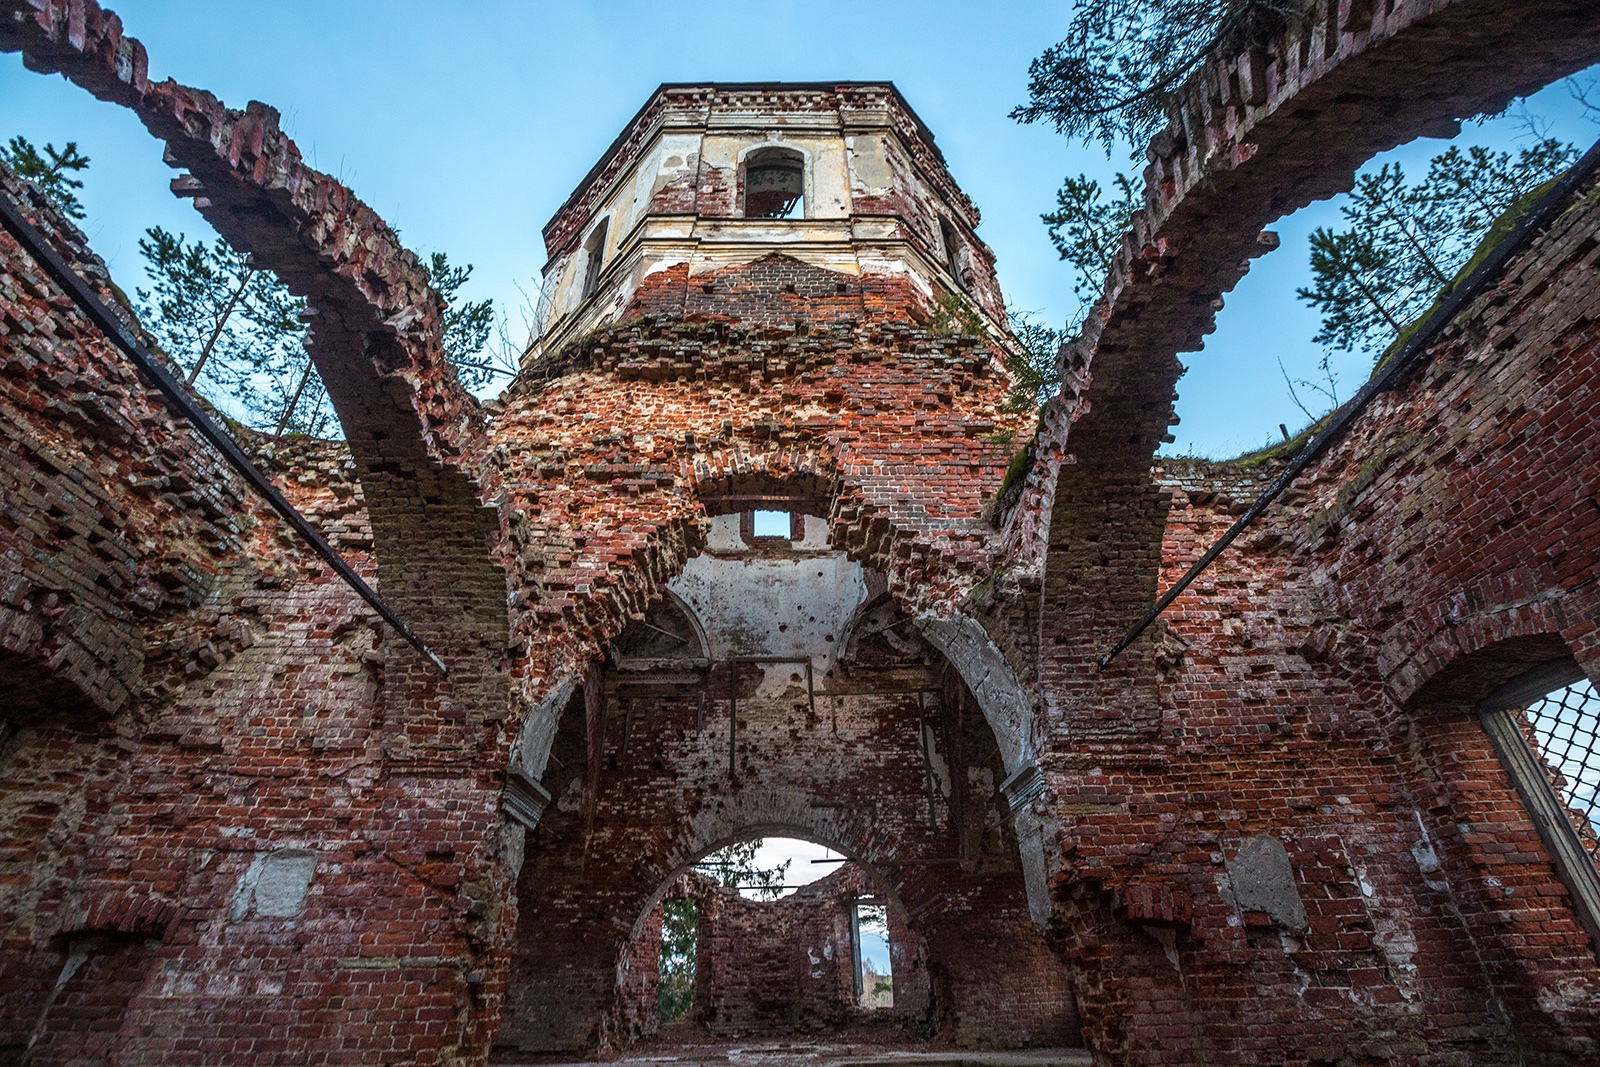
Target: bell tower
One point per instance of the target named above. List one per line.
(769, 202)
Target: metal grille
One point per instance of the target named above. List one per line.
(1566, 733)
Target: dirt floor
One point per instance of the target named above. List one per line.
(825, 1054)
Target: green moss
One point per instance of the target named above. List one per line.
(1020, 465)
(1496, 235)
(1345, 500)
(1011, 485)
(1282, 451)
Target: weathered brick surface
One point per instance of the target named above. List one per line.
(609, 455)
(650, 790)
(1315, 687)
(241, 705)
(776, 967)
(1253, 136)
(240, 823)
(904, 197)
(103, 538)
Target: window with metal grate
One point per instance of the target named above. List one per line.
(1565, 731)
(1543, 725)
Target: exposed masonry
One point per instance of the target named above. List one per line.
(778, 967)
(786, 967)
(777, 688)
(1330, 667)
(240, 824)
(120, 604)
(1253, 137)
(668, 196)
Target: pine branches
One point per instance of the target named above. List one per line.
(1087, 229)
(1405, 242)
(1114, 75)
(51, 171)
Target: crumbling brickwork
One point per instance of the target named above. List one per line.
(241, 823)
(779, 968)
(1255, 134)
(104, 537)
(652, 789)
(775, 967)
(1312, 696)
(167, 856)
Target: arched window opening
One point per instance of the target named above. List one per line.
(759, 869)
(1545, 727)
(741, 923)
(774, 184)
(952, 251)
(594, 258)
(1563, 727)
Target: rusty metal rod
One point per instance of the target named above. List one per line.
(1540, 215)
(178, 397)
(927, 760)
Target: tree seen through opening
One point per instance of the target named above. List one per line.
(874, 975)
(739, 866)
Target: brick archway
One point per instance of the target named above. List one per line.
(892, 760)
(779, 966)
(759, 831)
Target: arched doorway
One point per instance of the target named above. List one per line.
(776, 690)
(774, 937)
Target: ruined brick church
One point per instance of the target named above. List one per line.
(1295, 821)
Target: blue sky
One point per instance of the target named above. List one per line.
(466, 125)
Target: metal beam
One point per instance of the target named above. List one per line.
(1544, 212)
(178, 397)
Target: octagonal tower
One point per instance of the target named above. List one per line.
(711, 178)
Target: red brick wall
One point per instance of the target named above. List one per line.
(783, 967)
(1315, 687)
(231, 703)
(786, 967)
(778, 967)
(653, 793)
(102, 537)
(231, 700)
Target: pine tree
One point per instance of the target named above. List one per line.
(1087, 229)
(1035, 375)
(51, 172)
(236, 331)
(466, 323)
(1467, 191)
(735, 867)
(1406, 242)
(1114, 75)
